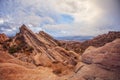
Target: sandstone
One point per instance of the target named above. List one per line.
(107, 56)
(90, 48)
(7, 58)
(10, 71)
(93, 72)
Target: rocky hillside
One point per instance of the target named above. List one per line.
(101, 63)
(101, 40)
(42, 50)
(31, 56)
(12, 68)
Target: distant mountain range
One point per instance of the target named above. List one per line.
(74, 38)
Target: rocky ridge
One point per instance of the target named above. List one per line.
(101, 40)
(30, 56)
(42, 50)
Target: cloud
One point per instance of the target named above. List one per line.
(60, 17)
(1, 21)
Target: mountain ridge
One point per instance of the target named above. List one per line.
(41, 49)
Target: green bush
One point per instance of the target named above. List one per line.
(17, 48)
(29, 49)
(12, 50)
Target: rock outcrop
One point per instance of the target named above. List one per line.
(49, 40)
(107, 56)
(42, 49)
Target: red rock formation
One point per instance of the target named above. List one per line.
(101, 40)
(46, 51)
(41, 57)
(100, 64)
(107, 56)
(13, 69)
(7, 58)
(9, 71)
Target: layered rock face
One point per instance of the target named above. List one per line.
(45, 49)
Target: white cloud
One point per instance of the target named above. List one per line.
(89, 17)
(1, 21)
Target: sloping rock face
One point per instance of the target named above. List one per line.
(9, 71)
(93, 72)
(7, 58)
(107, 56)
(100, 64)
(45, 50)
(3, 38)
(49, 40)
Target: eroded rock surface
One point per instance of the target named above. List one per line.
(107, 56)
(100, 64)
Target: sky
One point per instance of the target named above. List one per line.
(60, 17)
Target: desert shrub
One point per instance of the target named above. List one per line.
(9, 40)
(81, 51)
(5, 47)
(57, 71)
(29, 49)
(12, 50)
(67, 49)
(59, 44)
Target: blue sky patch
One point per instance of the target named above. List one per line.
(65, 19)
